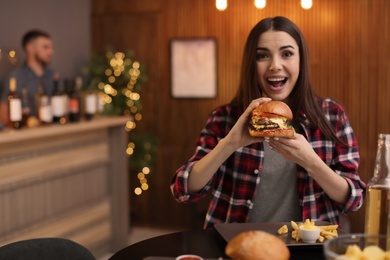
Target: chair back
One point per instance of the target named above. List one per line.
(45, 249)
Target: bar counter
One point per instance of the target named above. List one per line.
(67, 181)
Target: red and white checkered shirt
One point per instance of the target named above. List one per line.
(234, 184)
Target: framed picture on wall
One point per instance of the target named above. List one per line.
(194, 68)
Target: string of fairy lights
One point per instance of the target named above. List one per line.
(119, 66)
(11, 55)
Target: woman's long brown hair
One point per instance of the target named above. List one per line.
(302, 98)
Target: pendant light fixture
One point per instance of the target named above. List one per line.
(221, 4)
(306, 4)
(260, 3)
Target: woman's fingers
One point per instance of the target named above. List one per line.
(255, 103)
(239, 135)
(297, 150)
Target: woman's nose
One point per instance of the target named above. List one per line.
(275, 64)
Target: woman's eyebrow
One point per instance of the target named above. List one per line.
(281, 48)
(286, 47)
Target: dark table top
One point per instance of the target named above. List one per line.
(207, 243)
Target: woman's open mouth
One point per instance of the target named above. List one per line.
(277, 82)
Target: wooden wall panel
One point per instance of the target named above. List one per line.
(124, 6)
(349, 61)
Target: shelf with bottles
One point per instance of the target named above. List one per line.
(69, 104)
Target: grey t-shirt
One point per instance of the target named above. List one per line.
(276, 198)
(28, 80)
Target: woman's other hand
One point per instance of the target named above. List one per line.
(297, 149)
(301, 152)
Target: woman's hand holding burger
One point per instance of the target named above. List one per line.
(271, 121)
(297, 150)
(239, 136)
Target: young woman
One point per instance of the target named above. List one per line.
(253, 179)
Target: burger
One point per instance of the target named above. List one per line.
(256, 244)
(271, 119)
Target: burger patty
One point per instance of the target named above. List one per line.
(263, 123)
(265, 127)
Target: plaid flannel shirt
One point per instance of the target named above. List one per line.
(234, 184)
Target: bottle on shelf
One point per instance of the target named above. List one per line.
(90, 104)
(57, 104)
(65, 98)
(378, 191)
(25, 108)
(75, 100)
(99, 102)
(14, 106)
(44, 112)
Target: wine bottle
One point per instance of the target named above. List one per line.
(57, 104)
(99, 102)
(14, 106)
(25, 108)
(65, 98)
(45, 115)
(75, 101)
(90, 104)
(378, 195)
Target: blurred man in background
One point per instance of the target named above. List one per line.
(38, 48)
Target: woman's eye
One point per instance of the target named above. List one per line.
(287, 54)
(261, 56)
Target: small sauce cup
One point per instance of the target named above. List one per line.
(309, 235)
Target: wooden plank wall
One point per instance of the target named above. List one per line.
(350, 61)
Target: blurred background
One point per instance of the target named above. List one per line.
(348, 42)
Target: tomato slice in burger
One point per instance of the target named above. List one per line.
(270, 115)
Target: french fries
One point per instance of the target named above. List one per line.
(326, 232)
(295, 235)
(283, 230)
(372, 252)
